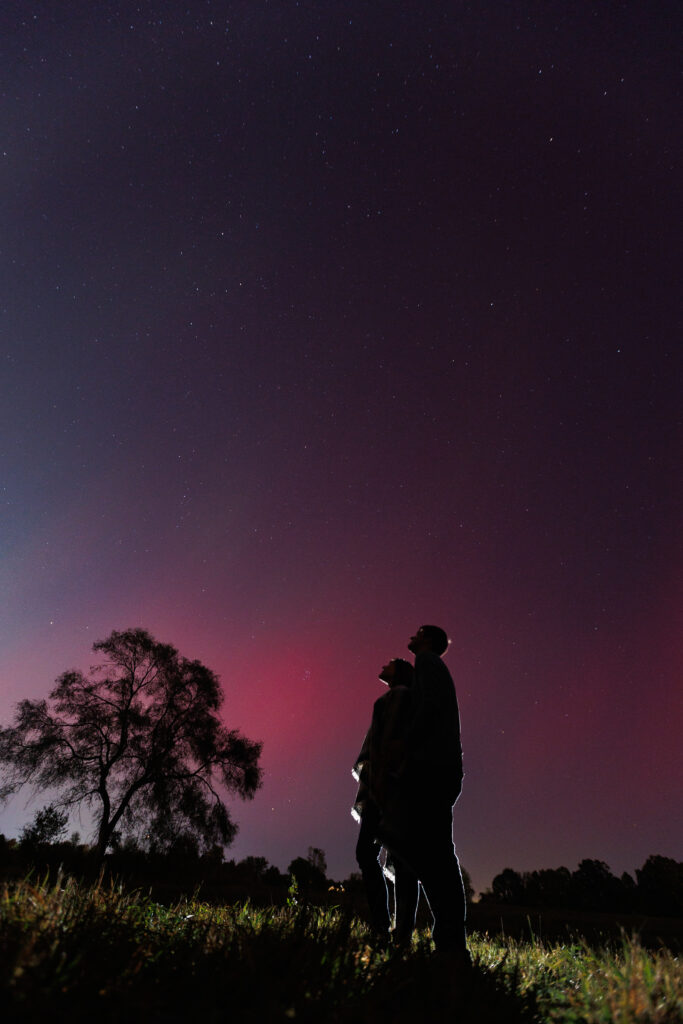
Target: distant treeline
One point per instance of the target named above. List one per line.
(656, 890)
(181, 865)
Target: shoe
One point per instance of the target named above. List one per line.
(456, 957)
(454, 967)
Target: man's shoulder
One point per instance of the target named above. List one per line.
(427, 661)
(427, 658)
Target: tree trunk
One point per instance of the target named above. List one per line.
(103, 837)
(105, 827)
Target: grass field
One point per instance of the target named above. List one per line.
(77, 953)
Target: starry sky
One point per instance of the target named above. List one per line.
(320, 320)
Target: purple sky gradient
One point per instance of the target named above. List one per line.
(322, 321)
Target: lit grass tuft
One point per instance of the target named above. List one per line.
(576, 983)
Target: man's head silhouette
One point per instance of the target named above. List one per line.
(429, 638)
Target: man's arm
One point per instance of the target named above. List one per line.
(438, 750)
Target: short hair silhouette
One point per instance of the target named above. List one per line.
(437, 638)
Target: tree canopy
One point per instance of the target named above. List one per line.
(592, 886)
(48, 826)
(310, 871)
(140, 740)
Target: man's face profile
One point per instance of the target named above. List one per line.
(417, 641)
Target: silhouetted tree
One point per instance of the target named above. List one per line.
(660, 885)
(273, 876)
(549, 887)
(629, 892)
(508, 887)
(140, 739)
(316, 857)
(183, 854)
(595, 887)
(354, 882)
(252, 869)
(7, 847)
(467, 885)
(310, 871)
(48, 826)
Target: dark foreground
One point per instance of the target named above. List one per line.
(91, 953)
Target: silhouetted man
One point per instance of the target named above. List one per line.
(420, 832)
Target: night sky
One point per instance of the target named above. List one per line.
(322, 320)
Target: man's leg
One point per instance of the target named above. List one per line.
(406, 896)
(367, 853)
(439, 872)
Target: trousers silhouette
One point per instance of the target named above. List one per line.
(406, 886)
(427, 853)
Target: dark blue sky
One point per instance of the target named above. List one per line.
(322, 320)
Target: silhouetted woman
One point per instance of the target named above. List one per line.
(378, 764)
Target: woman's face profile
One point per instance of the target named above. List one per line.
(388, 672)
